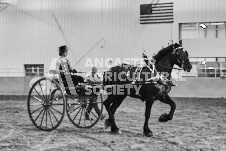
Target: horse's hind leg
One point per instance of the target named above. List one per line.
(166, 117)
(116, 103)
(107, 104)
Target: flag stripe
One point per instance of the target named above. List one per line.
(159, 19)
(165, 12)
(159, 22)
(156, 19)
(160, 6)
(156, 13)
(163, 3)
(156, 10)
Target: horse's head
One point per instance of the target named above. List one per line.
(182, 58)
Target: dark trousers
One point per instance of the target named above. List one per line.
(93, 104)
(77, 79)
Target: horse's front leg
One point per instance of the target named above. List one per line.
(166, 117)
(147, 132)
(107, 104)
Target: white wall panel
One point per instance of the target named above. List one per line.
(199, 10)
(29, 33)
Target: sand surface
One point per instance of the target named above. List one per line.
(198, 124)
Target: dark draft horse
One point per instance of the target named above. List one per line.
(164, 62)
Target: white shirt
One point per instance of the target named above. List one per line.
(93, 78)
(52, 67)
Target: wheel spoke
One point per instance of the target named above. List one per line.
(38, 99)
(93, 114)
(53, 115)
(50, 118)
(39, 114)
(75, 103)
(50, 90)
(38, 93)
(42, 91)
(90, 121)
(74, 110)
(42, 118)
(46, 119)
(77, 113)
(94, 102)
(37, 110)
(46, 90)
(80, 116)
(56, 110)
(84, 117)
(57, 104)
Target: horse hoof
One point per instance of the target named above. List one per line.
(164, 118)
(116, 131)
(107, 124)
(148, 134)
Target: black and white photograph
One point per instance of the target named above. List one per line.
(112, 75)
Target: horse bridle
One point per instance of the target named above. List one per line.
(168, 66)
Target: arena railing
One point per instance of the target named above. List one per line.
(195, 73)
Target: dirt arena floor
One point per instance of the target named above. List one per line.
(198, 124)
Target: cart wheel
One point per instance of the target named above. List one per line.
(46, 104)
(84, 111)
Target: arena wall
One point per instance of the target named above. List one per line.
(30, 35)
(200, 87)
(191, 87)
(14, 85)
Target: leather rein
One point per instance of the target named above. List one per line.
(168, 67)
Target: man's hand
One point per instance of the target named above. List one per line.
(74, 71)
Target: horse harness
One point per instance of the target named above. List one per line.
(137, 75)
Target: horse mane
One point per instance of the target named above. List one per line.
(121, 66)
(163, 52)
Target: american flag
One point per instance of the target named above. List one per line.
(156, 13)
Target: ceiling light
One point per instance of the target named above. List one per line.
(203, 26)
